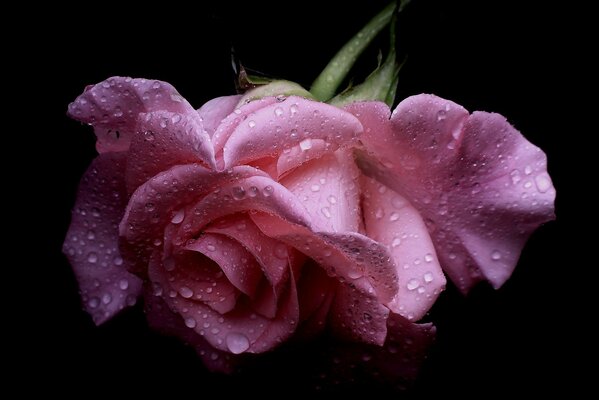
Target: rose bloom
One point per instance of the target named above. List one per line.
(243, 225)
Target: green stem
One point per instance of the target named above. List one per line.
(334, 73)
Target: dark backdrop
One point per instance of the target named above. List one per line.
(491, 55)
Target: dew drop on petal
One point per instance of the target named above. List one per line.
(237, 343)
(190, 322)
(495, 255)
(412, 284)
(92, 257)
(428, 277)
(178, 217)
(185, 292)
(306, 144)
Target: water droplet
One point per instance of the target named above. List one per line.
(238, 193)
(495, 255)
(117, 260)
(106, 298)
(441, 115)
(237, 343)
(252, 191)
(124, 284)
(210, 247)
(452, 256)
(267, 191)
(394, 217)
(354, 274)
(396, 242)
(176, 118)
(185, 292)
(306, 144)
(527, 184)
(543, 183)
(278, 111)
(281, 251)
(528, 170)
(379, 213)
(190, 323)
(96, 212)
(91, 235)
(93, 302)
(150, 207)
(398, 202)
(515, 176)
(293, 134)
(156, 85)
(252, 124)
(428, 258)
(428, 277)
(412, 284)
(315, 188)
(293, 109)
(118, 112)
(332, 199)
(326, 212)
(178, 217)
(92, 257)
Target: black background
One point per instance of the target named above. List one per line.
(491, 55)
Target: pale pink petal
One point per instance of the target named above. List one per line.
(236, 262)
(254, 193)
(357, 314)
(280, 126)
(166, 139)
(271, 255)
(214, 111)
(91, 244)
(237, 331)
(237, 116)
(299, 154)
(113, 106)
(481, 187)
(391, 220)
(328, 188)
(162, 319)
(348, 256)
(161, 201)
(193, 276)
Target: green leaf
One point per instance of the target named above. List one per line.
(275, 88)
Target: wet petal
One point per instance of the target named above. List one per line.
(480, 185)
(91, 244)
(391, 220)
(113, 106)
(166, 139)
(282, 125)
(214, 111)
(328, 188)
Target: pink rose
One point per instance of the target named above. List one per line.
(287, 216)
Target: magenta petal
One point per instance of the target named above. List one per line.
(214, 111)
(280, 126)
(114, 105)
(166, 139)
(328, 189)
(162, 200)
(481, 187)
(391, 220)
(91, 244)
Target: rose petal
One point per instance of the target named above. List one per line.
(161, 201)
(236, 262)
(274, 128)
(166, 139)
(390, 219)
(271, 255)
(254, 193)
(315, 292)
(480, 186)
(357, 314)
(328, 189)
(349, 255)
(214, 111)
(193, 276)
(91, 244)
(162, 319)
(114, 105)
(237, 331)
(299, 154)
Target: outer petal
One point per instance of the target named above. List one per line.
(214, 111)
(316, 292)
(166, 139)
(114, 105)
(280, 126)
(91, 244)
(328, 188)
(390, 219)
(481, 187)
